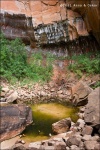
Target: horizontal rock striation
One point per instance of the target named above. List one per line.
(17, 26)
(45, 23)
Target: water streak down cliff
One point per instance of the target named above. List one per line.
(46, 23)
(17, 26)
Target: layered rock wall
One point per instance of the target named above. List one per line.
(17, 26)
(51, 22)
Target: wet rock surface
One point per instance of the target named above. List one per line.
(47, 23)
(13, 120)
(17, 26)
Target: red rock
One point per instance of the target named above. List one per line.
(87, 130)
(61, 126)
(13, 120)
(47, 12)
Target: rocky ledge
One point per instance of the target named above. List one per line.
(75, 94)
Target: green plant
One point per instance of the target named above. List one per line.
(88, 63)
(13, 58)
(14, 64)
(97, 84)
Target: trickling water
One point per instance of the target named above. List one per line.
(43, 117)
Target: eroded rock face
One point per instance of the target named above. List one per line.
(17, 26)
(92, 111)
(52, 23)
(13, 120)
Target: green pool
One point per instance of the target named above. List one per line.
(43, 117)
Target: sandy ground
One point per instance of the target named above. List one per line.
(7, 144)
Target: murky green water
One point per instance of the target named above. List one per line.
(43, 117)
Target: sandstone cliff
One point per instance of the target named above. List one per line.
(46, 22)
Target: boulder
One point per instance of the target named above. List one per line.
(67, 148)
(14, 119)
(12, 97)
(60, 146)
(61, 126)
(80, 123)
(82, 109)
(73, 140)
(2, 99)
(81, 115)
(5, 89)
(47, 148)
(18, 147)
(80, 92)
(91, 145)
(92, 111)
(87, 138)
(35, 145)
(74, 147)
(87, 130)
(97, 146)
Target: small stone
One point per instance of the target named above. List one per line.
(90, 145)
(42, 93)
(81, 115)
(96, 138)
(72, 123)
(48, 148)
(97, 146)
(18, 141)
(12, 97)
(35, 145)
(18, 146)
(61, 126)
(82, 109)
(81, 123)
(5, 89)
(68, 93)
(46, 87)
(74, 147)
(2, 94)
(20, 136)
(2, 99)
(73, 140)
(51, 143)
(22, 141)
(86, 137)
(81, 146)
(87, 130)
(58, 139)
(52, 90)
(60, 145)
(67, 148)
(60, 92)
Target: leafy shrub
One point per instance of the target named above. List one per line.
(14, 62)
(88, 63)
